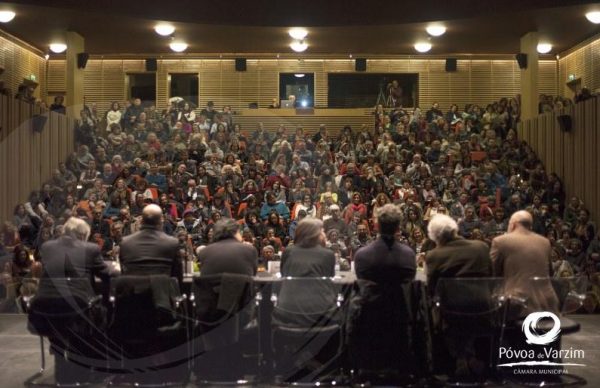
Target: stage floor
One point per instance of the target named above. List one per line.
(20, 356)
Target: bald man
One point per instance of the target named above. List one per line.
(521, 255)
(150, 251)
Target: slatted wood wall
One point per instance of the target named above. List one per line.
(476, 81)
(572, 155)
(584, 63)
(27, 158)
(20, 62)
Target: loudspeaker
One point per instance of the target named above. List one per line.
(360, 64)
(521, 60)
(565, 122)
(82, 59)
(240, 64)
(450, 64)
(38, 122)
(151, 64)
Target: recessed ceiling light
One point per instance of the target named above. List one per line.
(6, 16)
(58, 47)
(436, 29)
(299, 75)
(544, 48)
(593, 17)
(299, 46)
(178, 47)
(164, 29)
(298, 33)
(422, 47)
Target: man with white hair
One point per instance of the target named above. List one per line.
(72, 256)
(454, 256)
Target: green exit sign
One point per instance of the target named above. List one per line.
(571, 77)
(32, 77)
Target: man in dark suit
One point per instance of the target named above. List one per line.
(151, 251)
(384, 270)
(454, 257)
(386, 260)
(521, 255)
(228, 254)
(71, 256)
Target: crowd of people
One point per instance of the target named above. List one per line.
(200, 166)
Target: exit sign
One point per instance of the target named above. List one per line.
(571, 77)
(32, 77)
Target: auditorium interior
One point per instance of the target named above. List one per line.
(296, 193)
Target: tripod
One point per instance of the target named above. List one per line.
(381, 98)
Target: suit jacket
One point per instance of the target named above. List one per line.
(380, 264)
(520, 256)
(150, 252)
(458, 258)
(229, 256)
(67, 257)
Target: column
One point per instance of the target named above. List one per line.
(74, 76)
(529, 76)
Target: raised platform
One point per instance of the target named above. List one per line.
(20, 356)
(307, 118)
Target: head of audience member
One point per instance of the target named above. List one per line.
(226, 228)
(520, 221)
(442, 229)
(310, 233)
(268, 252)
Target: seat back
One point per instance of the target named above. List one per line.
(59, 305)
(469, 299)
(307, 327)
(305, 302)
(380, 326)
(143, 306)
(222, 307)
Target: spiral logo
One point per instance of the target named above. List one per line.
(529, 328)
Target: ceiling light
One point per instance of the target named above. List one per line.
(6, 16)
(299, 46)
(58, 47)
(593, 17)
(178, 46)
(422, 47)
(164, 29)
(46, 56)
(299, 75)
(544, 48)
(298, 33)
(436, 30)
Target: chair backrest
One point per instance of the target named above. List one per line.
(143, 305)
(306, 301)
(220, 297)
(464, 297)
(380, 326)
(60, 302)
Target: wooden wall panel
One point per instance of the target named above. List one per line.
(21, 62)
(27, 158)
(572, 155)
(584, 63)
(475, 81)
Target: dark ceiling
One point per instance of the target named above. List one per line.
(384, 27)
